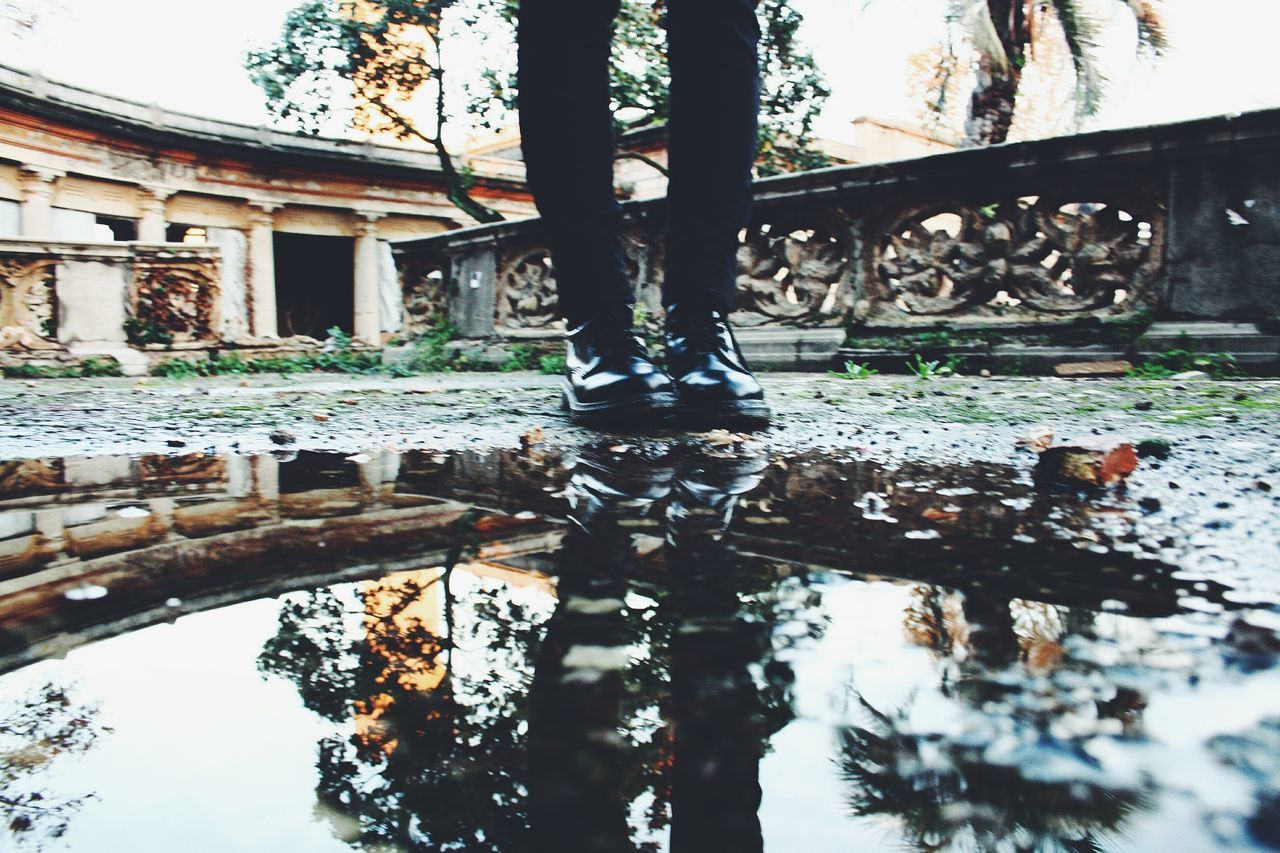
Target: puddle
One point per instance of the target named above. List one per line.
(639, 647)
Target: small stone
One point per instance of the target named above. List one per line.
(934, 513)
(1154, 448)
(1189, 374)
(1092, 368)
(1149, 504)
(1090, 461)
(176, 442)
(321, 417)
(1262, 485)
(1144, 406)
(283, 436)
(1038, 439)
(984, 373)
(1241, 397)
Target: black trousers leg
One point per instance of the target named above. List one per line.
(566, 130)
(712, 139)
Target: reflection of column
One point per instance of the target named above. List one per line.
(37, 201)
(368, 327)
(152, 224)
(262, 268)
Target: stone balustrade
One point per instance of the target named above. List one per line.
(1178, 221)
(91, 298)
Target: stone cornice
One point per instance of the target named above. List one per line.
(149, 124)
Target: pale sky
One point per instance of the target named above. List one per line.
(187, 56)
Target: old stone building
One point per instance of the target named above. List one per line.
(106, 203)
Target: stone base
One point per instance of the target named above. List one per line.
(132, 362)
(791, 349)
(1252, 348)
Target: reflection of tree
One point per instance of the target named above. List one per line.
(436, 761)
(972, 791)
(45, 726)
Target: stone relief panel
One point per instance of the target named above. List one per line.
(527, 289)
(424, 286)
(28, 303)
(173, 300)
(795, 270)
(1027, 256)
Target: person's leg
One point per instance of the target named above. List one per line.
(715, 97)
(566, 129)
(712, 139)
(566, 133)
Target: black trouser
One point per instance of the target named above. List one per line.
(566, 128)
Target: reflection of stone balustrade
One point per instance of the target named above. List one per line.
(1177, 220)
(102, 297)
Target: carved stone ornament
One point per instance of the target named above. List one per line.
(1040, 254)
(527, 290)
(174, 297)
(424, 286)
(28, 303)
(794, 272)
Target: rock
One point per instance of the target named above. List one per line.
(176, 442)
(1190, 374)
(934, 513)
(1037, 439)
(1144, 406)
(1091, 461)
(1092, 368)
(1154, 448)
(282, 436)
(320, 416)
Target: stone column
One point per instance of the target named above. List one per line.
(262, 269)
(368, 327)
(151, 227)
(37, 201)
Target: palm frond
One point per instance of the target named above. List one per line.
(1152, 37)
(986, 40)
(1079, 30)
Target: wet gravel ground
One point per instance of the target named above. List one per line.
(1214, 498)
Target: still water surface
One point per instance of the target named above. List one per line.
(617, 648)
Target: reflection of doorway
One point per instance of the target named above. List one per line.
(315, 283)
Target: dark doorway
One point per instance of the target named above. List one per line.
(315, 284)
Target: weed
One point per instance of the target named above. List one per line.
(431, 352)
(551, 365)
(523, 357)
(921, 369)
(852, 370)
(87, 367)
(1220, 365)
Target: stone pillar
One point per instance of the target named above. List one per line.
(37, 201)
(152, 224)
(368, 326)
(262, 269)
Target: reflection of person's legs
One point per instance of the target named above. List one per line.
(566, 128)
(717, 710)
(579, 764)
(715, 94)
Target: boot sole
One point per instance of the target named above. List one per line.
(738, 414)
(644, 410)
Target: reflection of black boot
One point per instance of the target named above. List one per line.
(610, 379)
(715, 386)
(579, 763)
(719, 716)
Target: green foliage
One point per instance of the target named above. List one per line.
(523, 357)
(143, 332)
(431, 352)
(89, 367)
(339, 356)
(551, 365)
(921, 369)
(339, 63)
(1220, 365)
(852, 370)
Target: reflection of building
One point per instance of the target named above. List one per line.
(302, 224)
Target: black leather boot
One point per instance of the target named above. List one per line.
(610, 379)
(714, 384)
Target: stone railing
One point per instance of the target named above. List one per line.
(103, 297)
(1174, 221)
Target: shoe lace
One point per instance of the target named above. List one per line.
(702, 334)
(618, 326)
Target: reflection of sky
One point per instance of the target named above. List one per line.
(1222, 57)
(208, 755)
(205, 754)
